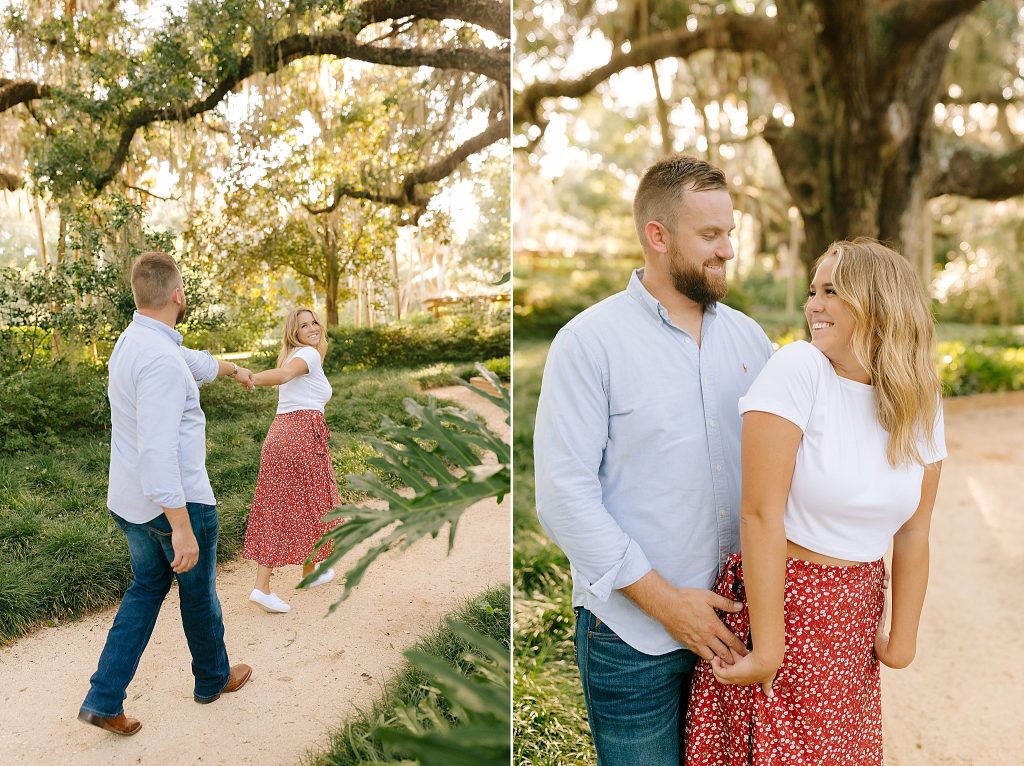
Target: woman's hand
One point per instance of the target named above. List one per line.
(892, 654)
(752, 669)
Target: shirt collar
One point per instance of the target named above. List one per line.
(636, 290)
(155, 324)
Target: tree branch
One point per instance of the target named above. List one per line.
(9, 181)
(727, 31)
(491, 63)
(981, 174)
(494, 15)
(916, 19)
(410, 195)
(14, 92)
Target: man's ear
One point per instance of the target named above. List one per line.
(657, 237)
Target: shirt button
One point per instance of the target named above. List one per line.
(687, 340)
(711, 423)
(718, 467)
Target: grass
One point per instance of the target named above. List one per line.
(354, 743)
(548, 714)
(61, 555)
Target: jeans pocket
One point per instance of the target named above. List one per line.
(159, 526)
(600, 631)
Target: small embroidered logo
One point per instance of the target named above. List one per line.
(744, 367)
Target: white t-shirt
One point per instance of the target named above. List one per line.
(846, 500)
(306, 392)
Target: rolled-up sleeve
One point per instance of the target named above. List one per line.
(201, 364)
(569, 441)
(161, 394)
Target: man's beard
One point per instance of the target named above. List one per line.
(182, 310)
(694, 283)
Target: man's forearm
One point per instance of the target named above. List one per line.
(651, 593)
(178, 518)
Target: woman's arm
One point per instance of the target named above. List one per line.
(290, 370)
(909, 578)
(770, 444)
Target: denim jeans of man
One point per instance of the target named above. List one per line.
(149, 546)
(636, 702)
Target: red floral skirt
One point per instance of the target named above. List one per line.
(295, 488)
(827, 709)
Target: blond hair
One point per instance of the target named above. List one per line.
(290, 337)
(893, 340)
(662, 187)
(154, 277)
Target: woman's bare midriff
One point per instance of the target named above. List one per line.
(799, 552)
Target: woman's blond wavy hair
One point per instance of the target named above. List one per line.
(290, 338)
(893, 340)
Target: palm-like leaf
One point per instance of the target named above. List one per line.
(478, 703)
(442, 462)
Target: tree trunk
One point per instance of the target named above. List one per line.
(37, 214)
(331, 289)
(396, 291)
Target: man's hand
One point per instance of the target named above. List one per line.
(751, 669)
(689, 616)
(183, 540)
(244, 378)
(691, 619)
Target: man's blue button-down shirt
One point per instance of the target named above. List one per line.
(637, 450)
(158, 430)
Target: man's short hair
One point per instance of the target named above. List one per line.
(662, 187)
(154, 277)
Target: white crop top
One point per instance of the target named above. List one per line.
(846, 500)
(306, 392)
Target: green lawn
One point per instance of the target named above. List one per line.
(549, 717)
(60, 553)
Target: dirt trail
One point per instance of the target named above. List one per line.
(309, 671)
(962, 700)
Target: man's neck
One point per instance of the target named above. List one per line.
(161, 315)
(686, 314)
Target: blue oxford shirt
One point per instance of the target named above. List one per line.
(637, 451)
(158, 430)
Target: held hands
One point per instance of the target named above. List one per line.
(245, 379)
(752, 669)
(691, 619)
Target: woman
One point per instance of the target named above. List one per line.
(842, 443)
(296, 484)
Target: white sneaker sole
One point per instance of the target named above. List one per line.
(272, 608)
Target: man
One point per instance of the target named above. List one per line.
(637, 463)
(160, 496)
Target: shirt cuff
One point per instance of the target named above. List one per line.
(166, 498)
(630, 568)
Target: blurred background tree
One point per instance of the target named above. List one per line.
(832, 120)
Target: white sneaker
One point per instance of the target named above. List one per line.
(323, 579)
(269, 602)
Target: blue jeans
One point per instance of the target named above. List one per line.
(149, 546)
(636, 702)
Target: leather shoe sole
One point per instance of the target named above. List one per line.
(239, 676)
(118, 724)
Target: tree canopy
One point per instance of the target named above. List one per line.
(866, 105)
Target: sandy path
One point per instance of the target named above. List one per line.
(962, 700)
(310, 671)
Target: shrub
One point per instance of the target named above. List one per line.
(980, 368)
(46, 404)
(399, 345)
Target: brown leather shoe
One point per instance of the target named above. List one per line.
(239, 675)
(118, 724)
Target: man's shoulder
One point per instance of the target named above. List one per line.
(143, 347)
(738, 319)
(596, 318)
